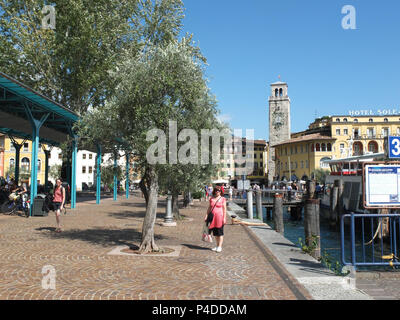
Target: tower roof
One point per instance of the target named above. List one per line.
(278, 83)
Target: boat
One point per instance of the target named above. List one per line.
(350, 171)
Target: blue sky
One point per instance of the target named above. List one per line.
(329, 70)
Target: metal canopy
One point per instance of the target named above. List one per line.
(16, 98)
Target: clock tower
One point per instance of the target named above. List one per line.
(279, 122)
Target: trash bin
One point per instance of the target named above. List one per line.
(37, 209)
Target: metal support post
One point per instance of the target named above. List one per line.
(127, 176)
(115, 177)
(98, 175)
(36, 125)
(73, 171)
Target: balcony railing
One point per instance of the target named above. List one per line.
(369, 137)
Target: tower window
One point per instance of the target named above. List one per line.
(276, 92)
(280, 92)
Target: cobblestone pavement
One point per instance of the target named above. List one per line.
(85, 269)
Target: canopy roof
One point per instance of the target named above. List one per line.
(17, 100)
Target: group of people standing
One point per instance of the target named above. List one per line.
(58, 198)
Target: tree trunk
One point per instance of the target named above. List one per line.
(175, 206)
(143, 188)
(148, 244)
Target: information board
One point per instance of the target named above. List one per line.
(382, 185)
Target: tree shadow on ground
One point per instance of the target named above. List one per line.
(285, 244)
(136, 205)
(132, 214)
(194, 247)
(310, 266)
(100, 236)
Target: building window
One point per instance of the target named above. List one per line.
(370, 132)
(25, 165)
(385, 132)
(12, 163)
(91, 169)
(302, 164)
(312, 147)
(355, 120)
(329, 147)
(345, 120)
(357, 149)
(39, 166)
(83, 169)
(338, 132)
(90, 156)
(59, 156)
(26, 147)
(385, 120)
(12, 148)
(83, 155)
(306, 163)
(323, 147)
(371, 120)
(345, 132)
(342, 148)
(317, 147)
(337, 120)
(295, 149)
(373, 147)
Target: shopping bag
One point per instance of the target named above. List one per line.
(204, 235)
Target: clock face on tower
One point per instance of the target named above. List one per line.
(277, 120)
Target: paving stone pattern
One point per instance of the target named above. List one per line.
(85, 270)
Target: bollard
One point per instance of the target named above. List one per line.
(277, 213)
(259, 207)
(340, 206)
(249, 204)
(168, 219)
(333, 208)
(312, 227)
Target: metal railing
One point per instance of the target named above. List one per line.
(366, 245)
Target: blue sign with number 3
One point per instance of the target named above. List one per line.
(394, 147)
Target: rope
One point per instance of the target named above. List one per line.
(376, 233)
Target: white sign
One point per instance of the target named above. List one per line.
(382, 185)
(379, 112)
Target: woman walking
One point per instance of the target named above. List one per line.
(218, 208)
(58, 201)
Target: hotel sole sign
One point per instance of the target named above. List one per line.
(370, 112)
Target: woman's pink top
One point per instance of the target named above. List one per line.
(58, 195)
(218, 221)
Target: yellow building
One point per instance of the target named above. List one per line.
(229, 168)
(332, 137)
(25, 159)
